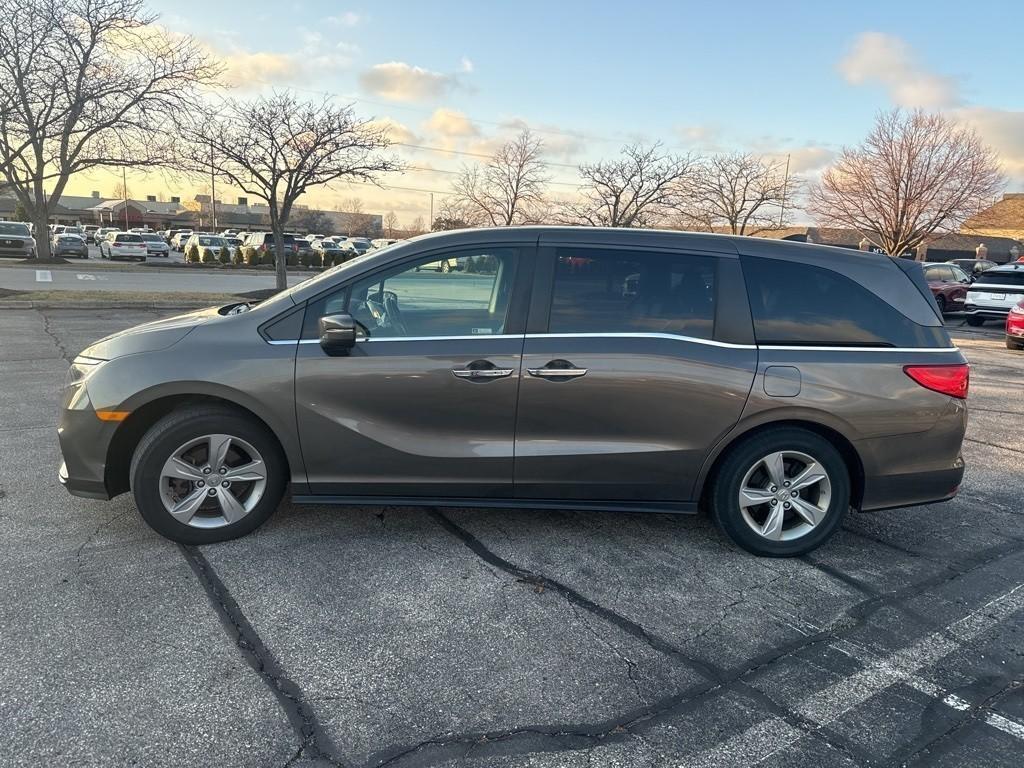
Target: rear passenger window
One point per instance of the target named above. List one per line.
(1014, 277)
(612, 291)
(799, 304)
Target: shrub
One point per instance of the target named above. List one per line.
(192, 254)
(311, 258)
(208, 256)
(224, 257)
(267, 257)
(238, 258)
(293, 258)
(251, 255)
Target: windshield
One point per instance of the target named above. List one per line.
(151, 238)
(13, 228)
(128, 239)
(215, 242)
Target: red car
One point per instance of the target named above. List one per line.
(1015, 327)
(949, 286)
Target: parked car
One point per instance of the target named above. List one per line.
(16, 240)
(383, 242)
(445, 265)
(328, 250)
(179, 238)
(264, 241)
(123, 245)
(774, 384)
(102, 232)
(155, 245)
(234, 243)
(1015, 326)
(70, 245)
(90, 232)
(303, 247)
(994, 293)
(973, 266)
(949, 286)
(209, 246)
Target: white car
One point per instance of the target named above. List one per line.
(178, 241)
(995, 292)
(155, 245)
(123, 245)
(209, 246)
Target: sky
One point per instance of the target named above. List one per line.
(800, 79)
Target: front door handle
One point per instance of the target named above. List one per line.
(558, 369)
(480, 370)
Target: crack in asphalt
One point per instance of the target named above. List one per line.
(562, 737)
(69, 358)
(991, 445)
(314, 743)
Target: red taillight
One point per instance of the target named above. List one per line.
(1015, 320)
(952, 380)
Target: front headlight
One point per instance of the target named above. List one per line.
(81, 369)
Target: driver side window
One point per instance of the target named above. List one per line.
(461, 293)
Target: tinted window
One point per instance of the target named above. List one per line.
(128, 239)
(1000, 277)
(151, 238)
(799, 304)
(420, 299)
(611, 291)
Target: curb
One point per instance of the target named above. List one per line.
(105, 305)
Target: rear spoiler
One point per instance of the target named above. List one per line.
(913, 270)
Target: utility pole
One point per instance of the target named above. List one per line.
(785, 187)
(124, 196)
(430, 224)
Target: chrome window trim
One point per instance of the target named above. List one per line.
(618, 335)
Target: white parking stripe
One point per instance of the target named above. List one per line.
(43, 276)
(770, 736)
(1004, 724)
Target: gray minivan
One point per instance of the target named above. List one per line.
(773, 384)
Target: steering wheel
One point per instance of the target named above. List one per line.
(383, 305)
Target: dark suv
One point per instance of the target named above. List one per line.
(772, 384)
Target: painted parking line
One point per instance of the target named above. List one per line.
(86, 276)
(768, 737)
(951, 700)
(43, 276)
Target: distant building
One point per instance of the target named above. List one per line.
(942, 248)
(1002, 219)
(200, 213)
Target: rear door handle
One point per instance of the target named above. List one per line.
(558, 369)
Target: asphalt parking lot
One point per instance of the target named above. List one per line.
(414, 637)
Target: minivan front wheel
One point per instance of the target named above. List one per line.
(782, 493)
(202, 475)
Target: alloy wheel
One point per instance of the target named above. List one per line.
(212, 481)
(785, 495)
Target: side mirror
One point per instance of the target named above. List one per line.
(337, 333)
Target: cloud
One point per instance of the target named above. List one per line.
(1003, 130)
(887, 60)
(247, 70)
(253, 70)
(450, 124)
(346, 19)
(399, 81)
(809, 159)
(465, 65)
(397, 132)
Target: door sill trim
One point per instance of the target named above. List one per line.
(669, 507)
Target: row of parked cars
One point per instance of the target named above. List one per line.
(182, 240)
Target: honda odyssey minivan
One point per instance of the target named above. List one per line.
(774, 385)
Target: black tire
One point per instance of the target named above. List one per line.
(445, 267)
(176, 429)
(975, 322)
(941, 301)
(725, 488)
(1015, 344)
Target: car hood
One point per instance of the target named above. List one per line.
(149, 337)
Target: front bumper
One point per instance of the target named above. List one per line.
(84, 442)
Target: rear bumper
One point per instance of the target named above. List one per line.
(914, 488)
(993, 312)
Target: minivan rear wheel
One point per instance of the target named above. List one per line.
(205, 474)
(781, 493)
(975, 322)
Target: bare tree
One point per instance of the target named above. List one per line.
(87, 83)
(390, 223)
(740, 192)
(508, 189)
(417, 226)
(916, 174)
(275, 148)
(121, 192)
(639, 189)
(350, 205)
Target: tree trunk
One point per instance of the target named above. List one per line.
(42, 232)
(280, 260)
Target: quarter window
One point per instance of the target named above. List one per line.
(612, 291)
(463, 293)
(799, 304)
